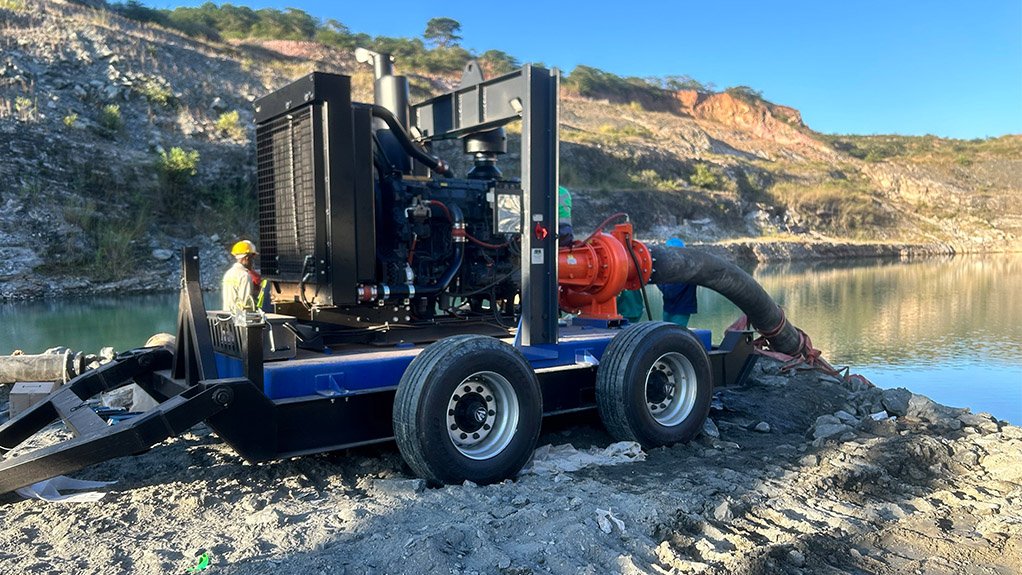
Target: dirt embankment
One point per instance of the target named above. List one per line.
(836, 485)
(780, 124)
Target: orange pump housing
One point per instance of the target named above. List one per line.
(592, 273)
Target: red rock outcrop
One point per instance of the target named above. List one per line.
(780, 124)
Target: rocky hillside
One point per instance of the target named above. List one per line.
(123, 141)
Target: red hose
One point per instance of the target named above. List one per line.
(470, 237)
(411, 250)
(603, 224)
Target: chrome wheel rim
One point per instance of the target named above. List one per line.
(482, 415)
(671, 389)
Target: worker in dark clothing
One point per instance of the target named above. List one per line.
(679, 299)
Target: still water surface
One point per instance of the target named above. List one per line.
(950, 329)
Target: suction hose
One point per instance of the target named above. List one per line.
(689, 265)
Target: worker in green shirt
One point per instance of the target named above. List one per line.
(564, 231)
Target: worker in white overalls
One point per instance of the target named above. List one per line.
(242, 285)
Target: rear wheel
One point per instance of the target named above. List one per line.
(654, 385)
(467, 408)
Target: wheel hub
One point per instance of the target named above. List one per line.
(660, 388)
(471, 413)
(671, 389)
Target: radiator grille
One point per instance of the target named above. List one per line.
(287, 194)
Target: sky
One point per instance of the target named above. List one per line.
(948, 68)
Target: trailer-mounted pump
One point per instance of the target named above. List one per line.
(408, 304)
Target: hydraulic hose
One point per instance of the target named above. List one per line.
(689, 265)
(445, 280)
(642, 284)
(432, 162)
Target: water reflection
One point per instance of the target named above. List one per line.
(919, 312)
(946, 328)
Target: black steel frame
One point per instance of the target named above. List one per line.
(529, 94)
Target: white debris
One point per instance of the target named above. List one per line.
(49, 490)
(557, 459)
(606, 520)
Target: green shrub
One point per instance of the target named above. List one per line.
(744, 93)
(114, 238)
(683, 82)
(499, 62)
(651, 179)
(156, 91)
(110, 118)
(334, 33)
(229, 124)
(704, 177)
(24, 108)
(876, 148)
(12, 5)
(178, 165)
(593, 82)
(618, 132)
(116, 251)
(236, 207)
(70, 120)
(176, 168)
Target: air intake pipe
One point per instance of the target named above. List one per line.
(691, 266)
(411, 148)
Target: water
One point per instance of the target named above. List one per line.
(950, 329)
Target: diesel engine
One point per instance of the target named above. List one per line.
(362, 228)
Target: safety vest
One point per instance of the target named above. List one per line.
(240, 289)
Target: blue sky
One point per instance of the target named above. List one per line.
(952, 69)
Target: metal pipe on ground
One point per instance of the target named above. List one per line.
(59, 367)
(60, 364)
(689, 265)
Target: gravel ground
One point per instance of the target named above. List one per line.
(823, 487)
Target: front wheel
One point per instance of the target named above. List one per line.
(467, 408)
(654, 385)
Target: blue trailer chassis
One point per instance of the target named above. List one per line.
(320, 401)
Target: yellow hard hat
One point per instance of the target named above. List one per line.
(244, 248)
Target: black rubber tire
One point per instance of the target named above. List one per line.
(621, 384)
(423, 398)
